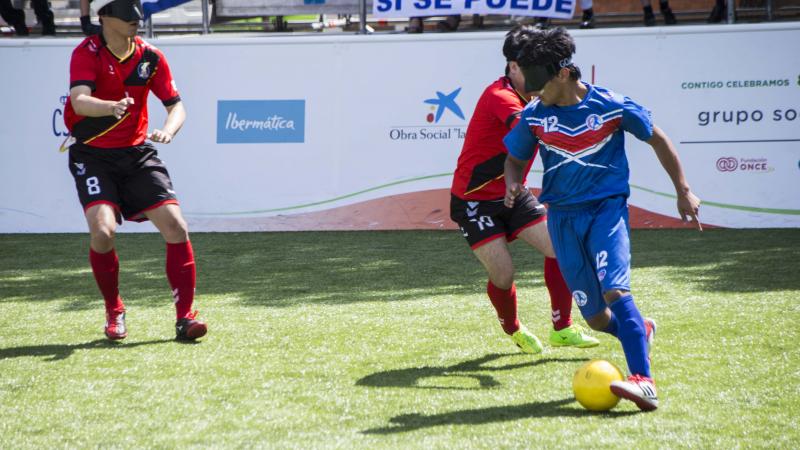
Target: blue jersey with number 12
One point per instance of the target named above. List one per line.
(582, 146)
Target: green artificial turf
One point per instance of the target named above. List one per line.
(386, 340)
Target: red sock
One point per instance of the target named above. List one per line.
(505, 303)
(105, 267)
(560, 295)
(181, 275)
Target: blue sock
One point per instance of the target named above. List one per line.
(612, 326)
(631, 333)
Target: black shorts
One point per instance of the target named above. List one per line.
(482, 221)
(131, 179)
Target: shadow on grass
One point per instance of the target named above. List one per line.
(287, 269)
(722, 260)
(262, 269)
(57, 352)
(480, 416)
(412, 376)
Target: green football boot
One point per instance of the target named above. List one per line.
(572, 336)
(526, 341)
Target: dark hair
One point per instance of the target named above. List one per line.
(550, 47)
(516, 38)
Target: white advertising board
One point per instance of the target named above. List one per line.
(362, 132)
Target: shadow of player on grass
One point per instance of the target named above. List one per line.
(475, 369)
(468, 369)
(57, 352)
(479, 416)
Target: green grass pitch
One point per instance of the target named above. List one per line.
(386, 340)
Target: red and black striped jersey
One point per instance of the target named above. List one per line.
(479, 172)
(143, 69)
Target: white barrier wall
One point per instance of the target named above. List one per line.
(342, 132)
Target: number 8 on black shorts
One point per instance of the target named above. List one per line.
(131, 179)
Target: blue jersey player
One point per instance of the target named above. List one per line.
(580, 132)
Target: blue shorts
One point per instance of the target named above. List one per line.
(593, 249)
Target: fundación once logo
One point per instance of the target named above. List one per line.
(260, 121)
(753, 165)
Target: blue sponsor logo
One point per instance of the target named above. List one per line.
(57, 118)
(260, 121)
(442, 103)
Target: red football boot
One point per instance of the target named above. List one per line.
(189, 328)
(638, 389)
(115, 328)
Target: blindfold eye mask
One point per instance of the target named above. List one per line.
(125, 10)
(536, 76)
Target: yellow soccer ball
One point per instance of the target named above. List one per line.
(591, 385)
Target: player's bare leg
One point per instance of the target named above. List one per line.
(170, 223)
(564, 332)
(102, 221)
(538, 237)
(181, 271)
(496, 258)
(600, 322)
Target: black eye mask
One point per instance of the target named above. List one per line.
(125, 10)
(536, 76)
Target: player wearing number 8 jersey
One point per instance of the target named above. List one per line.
(477, 207)
(117, 173)
(578, 130)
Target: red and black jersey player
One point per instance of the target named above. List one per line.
(476, 205)
(118, 174)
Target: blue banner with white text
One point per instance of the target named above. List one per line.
(151, 7)
(556, 9)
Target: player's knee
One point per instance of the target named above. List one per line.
(103, 234)
(179, 231)
(176, 230)
(598, 322)
(102, 238)
(612, 295)
(503, 279)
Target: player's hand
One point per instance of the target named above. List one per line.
(88, 27)
(512, 191)
(689, 207)
(160, 136)
(121, 107)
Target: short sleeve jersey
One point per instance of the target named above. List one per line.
(479, 171)
(582, 146)
(143, 69)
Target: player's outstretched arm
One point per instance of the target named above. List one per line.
(176, 115)
(513, 176)
(85, 105)
(688, 203)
